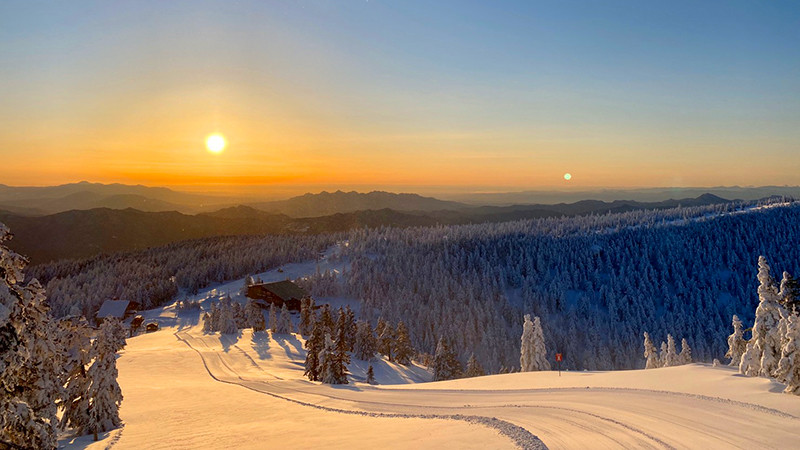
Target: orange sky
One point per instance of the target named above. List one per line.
(312, 93)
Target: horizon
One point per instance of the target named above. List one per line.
(450, 96)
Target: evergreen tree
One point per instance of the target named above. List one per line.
(326, 320)
(104, 392)
(650, 353)
(75, 339)
(371, 375)
(29, 378)
(227, 321)
(789, 365)
(685, 357)
(255, 316)
(446, 365)
(333, 362)
(662, 356)
(403, 349)
(285, 321)
(273, 318)
(350, 324)
(527, 356)
(790, 293)
(365, 343)
(386, 342)
(671, 358)
(207, 323)
(315, 346)
(736, 343)
(474, 368)
(763, 350)
(306, 316)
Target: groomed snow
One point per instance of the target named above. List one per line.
(186, 389)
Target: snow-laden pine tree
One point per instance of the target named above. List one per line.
(350, 324)
(533, 353)
(333, 365)
(75, 339)
(285, 321)
(474, 368)
(685, 357)
(29, 381)
(650, 353)
(763, 349)
(386, 341)
(273, 318)
(215, 317)
(403, 351)
(789, 365)
(736, 343)
(248, 281)
(662, 355)
(306, 316)
(790, 293)
(255, 317)
(527, 356)
(315, 344)
(365, 343)
(446, 365)
(227, 323)
(671, 358)
(104, 392)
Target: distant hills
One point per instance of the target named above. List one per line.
(327, 203)
(83, 233)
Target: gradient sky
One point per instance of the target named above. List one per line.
(469, 94)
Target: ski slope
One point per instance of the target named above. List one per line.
(187, 389)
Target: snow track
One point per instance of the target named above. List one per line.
(571, 417)
(221, 371)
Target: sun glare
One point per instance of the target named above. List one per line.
(215, 143)
(567, 176)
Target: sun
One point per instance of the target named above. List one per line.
(567, 176)
(215, 143)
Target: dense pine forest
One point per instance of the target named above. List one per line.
(597, 282)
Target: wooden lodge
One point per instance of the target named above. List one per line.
(120, 309)
(278, 294)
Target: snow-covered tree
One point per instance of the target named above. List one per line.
(790, 293)
(104, 392)
(29, 377)
(671, 358)
(75, 340)
(216, 316)
(766, 341)
(315, 345)
(333, 362)
(474, 368)
(403, 351)
(350, 325)
(284, 321)
(650, 353)
(248, 281)
(386, 341)
(662, 355)
(255, 316)
(227, 323)
(736, 343)
(365, 343)
(788, 370)
(533, 353)
(446, 365)
(273, 318)
(306, 316)
(685, 357)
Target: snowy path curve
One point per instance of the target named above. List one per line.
(521, 437)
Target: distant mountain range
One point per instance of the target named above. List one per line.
(83, 233)
(40, 201)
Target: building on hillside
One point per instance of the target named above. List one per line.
(120, 309)
(277, 293)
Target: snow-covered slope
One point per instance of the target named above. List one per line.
(186, 389)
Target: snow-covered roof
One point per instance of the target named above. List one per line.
(113, 308)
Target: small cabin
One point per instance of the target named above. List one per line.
(278, 294)
(151, 327)
(119, 309)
